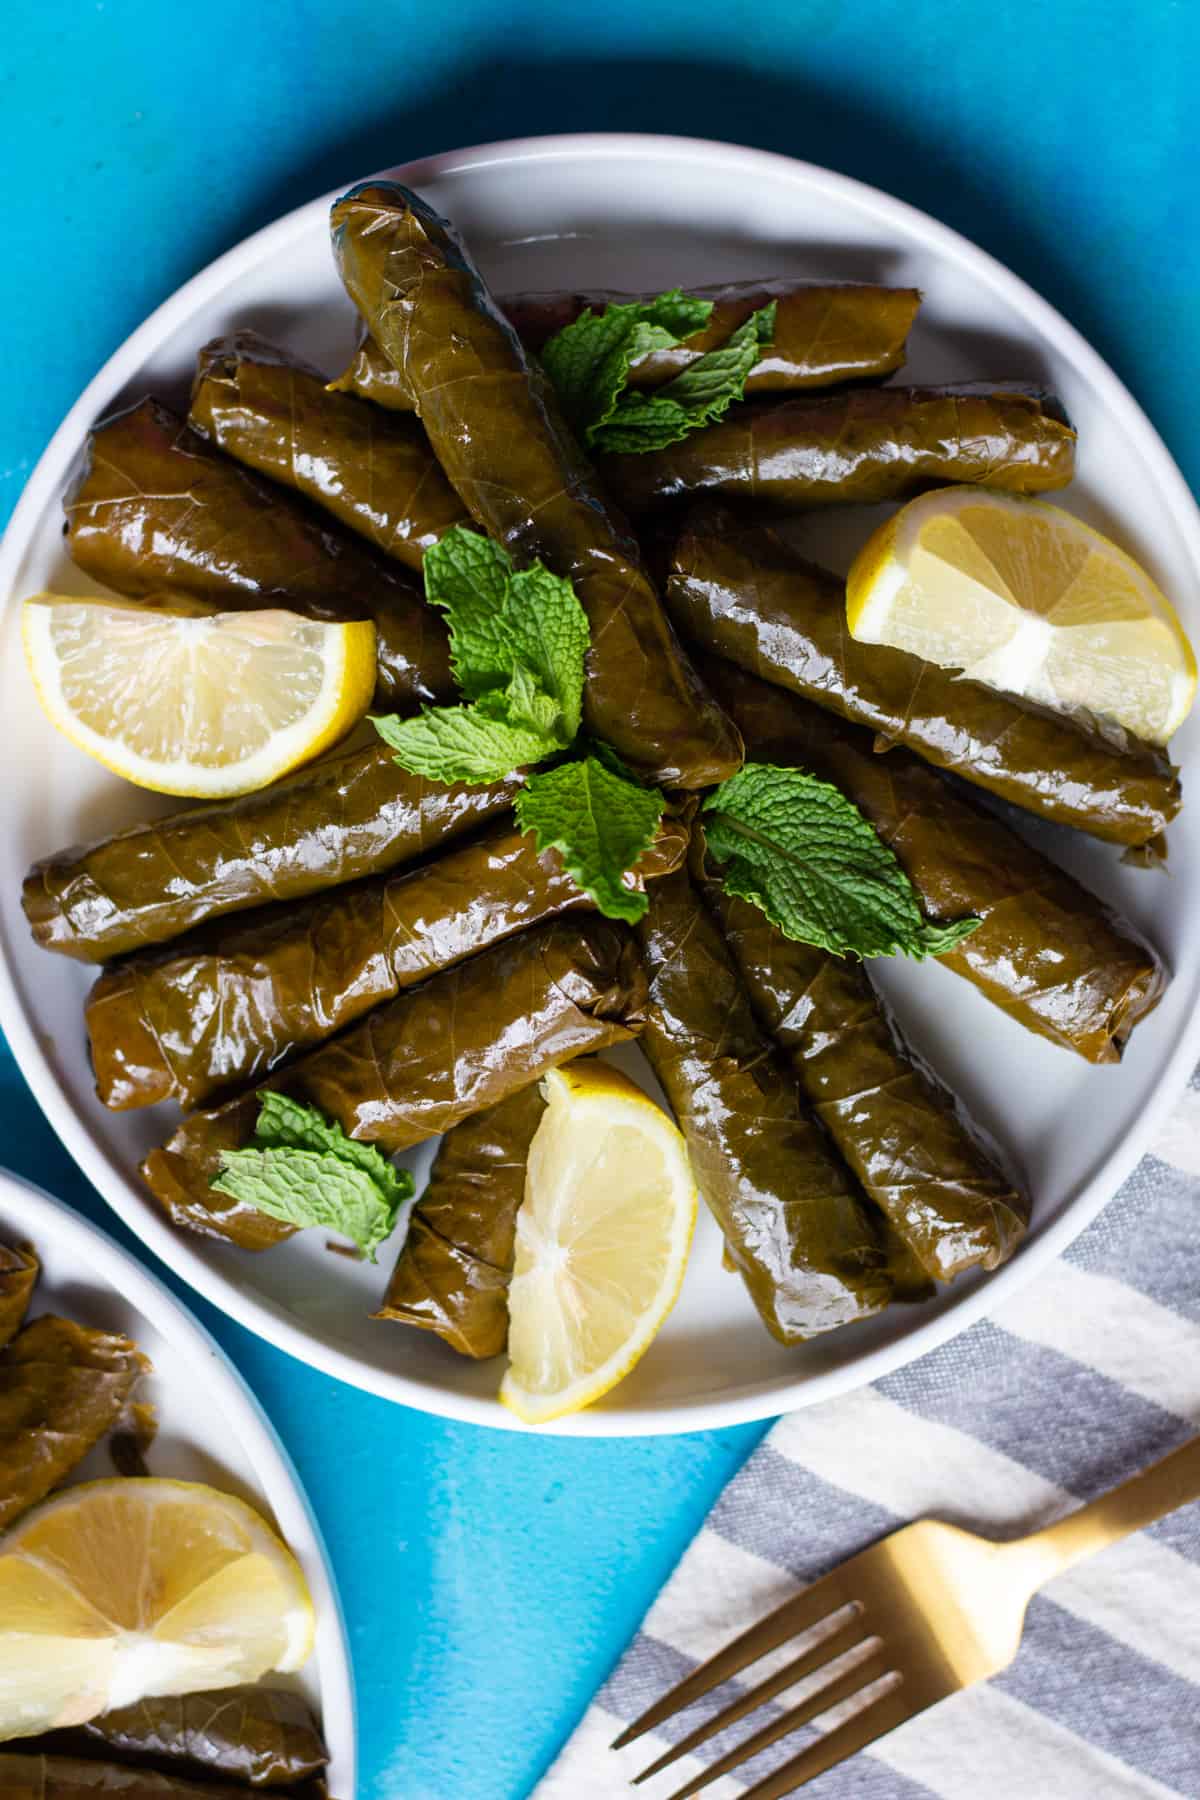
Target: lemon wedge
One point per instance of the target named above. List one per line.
(1027, 598)
(602, 1241)
(118, 1591)
(184, 700)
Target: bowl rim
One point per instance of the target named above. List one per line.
(266, 1317)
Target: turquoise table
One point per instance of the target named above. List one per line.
(489, 1580)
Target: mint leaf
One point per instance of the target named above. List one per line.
(549, 633)
(601, 823)
(518, 644)
(304, 1170)
(696, 397)
(589, 360)
(467, 576)
(287, 1123)
(501, 618)
(807, 858)
(466, 743)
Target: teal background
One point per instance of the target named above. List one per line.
(489, 1580)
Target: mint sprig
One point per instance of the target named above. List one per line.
(799, 851)
(600, 821)
(518, 641)
(518, 645)
(303, 1170)
(590, 361)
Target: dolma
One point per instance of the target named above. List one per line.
(930, 1171)
(254, 1735)
(156, 510)
(336, 821)
(498, 433)
(227, 1005)
(461, 1041)
(1046, 952)
(741, 591)
(62, 1388)
(858, 447)
(19, 1269)
(825, 333)
(373, 471)
(794, 1227)
(455, 1265)
(29, 1775)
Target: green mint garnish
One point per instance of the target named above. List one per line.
(600, 820)
(303, 1170)
(518, 644)
(589, 362)
(807, 858)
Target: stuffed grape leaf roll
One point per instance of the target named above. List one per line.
(498, 433)
(356, 815)
(62, 1388)
(459, 1042)
(1046, 951)
(928, 1168)
(455, 1265)
(30, 1775)
(857, 447)
(256, 1735)
(156, 509)
(794, 1226)
(825, 333)
(741, 590)
(372, 470)
(19, 1270)
(228, 1004)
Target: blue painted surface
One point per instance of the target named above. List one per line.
(491, 1580)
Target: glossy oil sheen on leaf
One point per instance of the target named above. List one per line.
(223, 1008)
(743, 591)
(934, 1175)
(62, 1388)
(414, 1067)
(600, 822)
(797, 1229)
(1048, 953)
(798, 850)
(335, 822)
(259, 1736)
(498, 431)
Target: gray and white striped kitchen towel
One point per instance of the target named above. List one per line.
(1088, 1374)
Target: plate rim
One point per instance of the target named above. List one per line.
(265, 1317)
(47, 1217)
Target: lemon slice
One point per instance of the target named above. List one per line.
(1027, 598)
(187, 701)
(602, 1241)
(118, 1591)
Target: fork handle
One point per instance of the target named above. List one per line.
(1158, 1490)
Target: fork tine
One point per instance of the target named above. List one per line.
(829, 1648)
(800, 1613)
(844, 1688)
(874, 1721)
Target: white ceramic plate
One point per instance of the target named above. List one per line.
(634, 213)
(210, 1426)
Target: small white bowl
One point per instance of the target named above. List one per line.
(210, 1426)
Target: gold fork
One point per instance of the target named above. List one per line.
(925, 1612)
